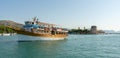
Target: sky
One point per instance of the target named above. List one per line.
(105, 14)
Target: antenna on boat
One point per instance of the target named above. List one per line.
(37, 20)
(34, 19)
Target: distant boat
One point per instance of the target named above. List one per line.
(5, 34)
(6, 31)
(0, 34)
(8, 34)
(44, 30)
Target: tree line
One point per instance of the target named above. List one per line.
(4, 29)
(79, 31)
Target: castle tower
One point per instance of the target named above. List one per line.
(93, 30)
(78, 28)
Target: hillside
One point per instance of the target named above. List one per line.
(4, 29)
(11, 24)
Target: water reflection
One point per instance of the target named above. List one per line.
(39, 48)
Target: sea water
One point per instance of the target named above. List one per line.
(75, 46)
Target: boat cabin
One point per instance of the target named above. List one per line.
(43, 28)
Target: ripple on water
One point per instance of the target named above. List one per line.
(75, 46)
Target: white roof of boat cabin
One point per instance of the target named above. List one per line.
(43, 23)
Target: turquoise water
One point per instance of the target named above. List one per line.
(75, 46)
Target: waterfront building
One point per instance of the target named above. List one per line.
(93, 30)
(84, 28)
(78, 28)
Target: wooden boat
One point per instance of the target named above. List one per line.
(43, 30)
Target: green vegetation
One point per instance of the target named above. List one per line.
(4, 29)
(79, 31)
